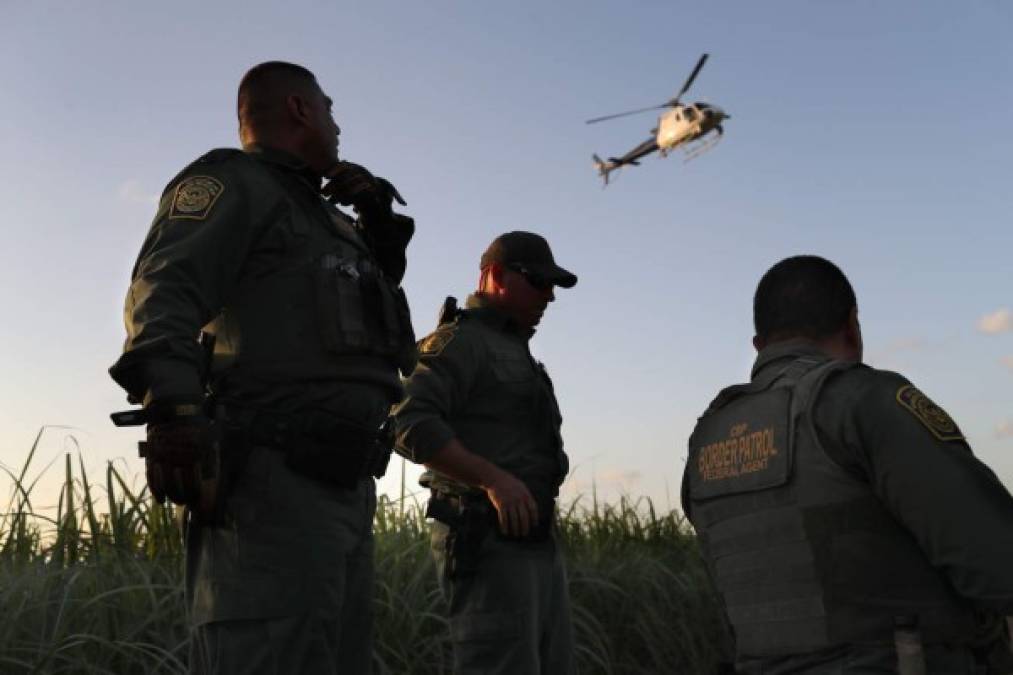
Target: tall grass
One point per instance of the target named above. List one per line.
(98, 587)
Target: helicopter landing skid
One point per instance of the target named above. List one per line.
(700, 147)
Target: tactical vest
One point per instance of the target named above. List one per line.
(317, 305)
(803, 554)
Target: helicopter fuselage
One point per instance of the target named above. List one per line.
(685, 123)
(681, 123)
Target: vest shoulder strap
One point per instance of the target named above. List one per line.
(810, 384)
(786, 375)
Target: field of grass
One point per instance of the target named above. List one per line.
(98, 587)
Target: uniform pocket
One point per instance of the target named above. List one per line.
(340, 304)
(512, 369)
(251, 492)
(516, 387)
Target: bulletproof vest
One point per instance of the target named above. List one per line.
(312, 300)
(803, 554)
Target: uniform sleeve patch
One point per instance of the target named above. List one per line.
(195, 197)
(928, 413)
(435, 343)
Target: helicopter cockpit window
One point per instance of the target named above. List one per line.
(689, 114)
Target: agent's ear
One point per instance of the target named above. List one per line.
(491, 278)
(297, 108)
(853, 334)
(759, 343)
(484, 280)
(496, 272)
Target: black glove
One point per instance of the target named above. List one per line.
(178, 453)
(353, 184)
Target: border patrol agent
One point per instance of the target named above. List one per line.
(846, 523)
(311, 328)
(481, 414)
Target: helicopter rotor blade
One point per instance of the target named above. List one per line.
(689, 80)
(624, 114)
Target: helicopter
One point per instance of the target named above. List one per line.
(682, 124)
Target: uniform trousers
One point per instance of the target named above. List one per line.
(285, 583)
(512, 616)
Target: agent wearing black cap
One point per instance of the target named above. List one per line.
(481, 414)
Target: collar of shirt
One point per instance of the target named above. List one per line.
(784, 351)
(481, 308)
(286, 160)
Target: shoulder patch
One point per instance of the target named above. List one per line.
(195, 196)
(436, 343)
(928, 413)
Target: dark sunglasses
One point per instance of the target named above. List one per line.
(536, 280)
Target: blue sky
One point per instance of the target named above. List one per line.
(876, 134)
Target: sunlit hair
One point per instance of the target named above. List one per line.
(802, 296)
(263, 89)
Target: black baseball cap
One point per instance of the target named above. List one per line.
(528, 253)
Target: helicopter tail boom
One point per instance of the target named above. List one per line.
(604, 167)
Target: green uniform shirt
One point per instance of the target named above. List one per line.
(477, 381)
(226, 241)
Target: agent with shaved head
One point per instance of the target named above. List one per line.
(311, 329)
(846, 523)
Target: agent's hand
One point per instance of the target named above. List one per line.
(351, 184)
(173, 451)
(515, 507)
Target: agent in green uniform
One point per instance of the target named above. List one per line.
(481, 414)
(311, 328)
(846, 523)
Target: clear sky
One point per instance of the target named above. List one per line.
(877, 134)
